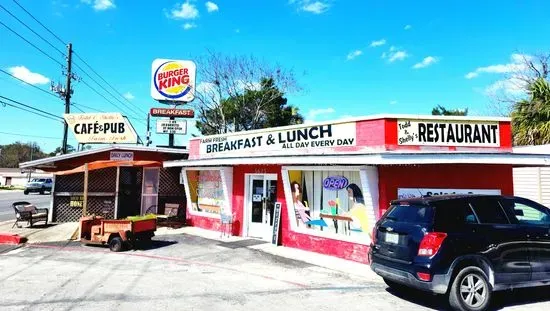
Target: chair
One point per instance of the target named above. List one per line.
(25, 211)
(226, 222)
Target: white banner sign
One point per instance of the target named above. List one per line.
(303, 138)
(166, 126)
(448, 133)
(407, 193)
(101, 128)
(122, 156)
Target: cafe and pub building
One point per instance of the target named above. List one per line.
(324, 185)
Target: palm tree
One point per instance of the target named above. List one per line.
(531, 117)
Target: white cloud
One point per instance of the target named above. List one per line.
(315, 7)
(188, 26)
(397, 55)
(427, 61)
(354, 54)
(21, 72)
(101, 5)
(184, 11)
(516, 65)
(129, 96)
(407, 27)
(512, 86)
(393, 102)
(211, 7)
(378, 43)
(314, 113)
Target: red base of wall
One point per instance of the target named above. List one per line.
(9, 238)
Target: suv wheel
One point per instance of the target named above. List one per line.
(470, 290)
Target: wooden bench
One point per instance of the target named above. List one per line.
(25, 211)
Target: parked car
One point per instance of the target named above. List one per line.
(39, 185)
(465, 246)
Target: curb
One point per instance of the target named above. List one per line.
(9, 238)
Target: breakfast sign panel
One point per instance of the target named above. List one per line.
(306, 139)
(448, 133)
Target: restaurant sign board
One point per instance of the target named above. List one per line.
(448, 133)
(101, 128)
(303, 139)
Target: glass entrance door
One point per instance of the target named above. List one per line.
(262, 195)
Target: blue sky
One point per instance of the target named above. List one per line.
(352, 57)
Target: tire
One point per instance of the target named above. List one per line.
(42, 191)
(116, 244)
(26, 192)
(470, 291)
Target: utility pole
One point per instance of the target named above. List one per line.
(67, 95)
(148, 142)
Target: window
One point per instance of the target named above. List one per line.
(526, 213)
(334, 202)
(206, 191)
(489, 211)
(453, 214)
(411, 214)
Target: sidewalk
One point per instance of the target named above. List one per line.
(325, 261)
(40, 233)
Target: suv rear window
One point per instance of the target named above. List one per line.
(410, 213)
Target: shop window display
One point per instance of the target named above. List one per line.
(206, 191)
(330, 201)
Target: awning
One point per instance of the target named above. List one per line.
(514, 159)
(96, 165)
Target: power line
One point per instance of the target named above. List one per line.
(34, 86)
(33, 136)
(76, 107)
(28, 110)
(29, 28)
(30, 43)
(87, 107)
(109, 101)
(92, 69)
(36, 20)
(31, 107)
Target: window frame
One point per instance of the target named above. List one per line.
(472, 204)
(529, 203)
(366, 173)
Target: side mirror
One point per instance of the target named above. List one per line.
(519, 212)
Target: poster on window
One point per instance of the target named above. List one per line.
(407, 193)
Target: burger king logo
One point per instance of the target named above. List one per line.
(173, 80)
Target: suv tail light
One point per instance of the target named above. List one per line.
(431, 243)
(373, 237)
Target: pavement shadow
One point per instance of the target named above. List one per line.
(156, 244)
(501, 299)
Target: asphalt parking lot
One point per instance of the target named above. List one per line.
(185, 272)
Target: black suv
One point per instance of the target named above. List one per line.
(463, 246)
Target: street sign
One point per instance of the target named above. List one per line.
(173, 80)
(166, 126)
(176, 113)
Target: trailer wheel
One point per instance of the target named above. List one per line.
(116, 244)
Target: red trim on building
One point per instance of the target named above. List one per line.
(459, 176)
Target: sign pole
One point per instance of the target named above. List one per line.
(85, 199)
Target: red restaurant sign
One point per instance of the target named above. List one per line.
(167, 112)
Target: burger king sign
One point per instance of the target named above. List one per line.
(173, 80)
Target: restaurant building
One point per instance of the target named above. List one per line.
(333, 180)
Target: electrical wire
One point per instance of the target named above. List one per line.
(30, 43)
(36, 20)
(29, 28)
(87, 107)
(113, 88)
(33, 136)
(30, 111)
(34, 86)
(109, 101)
(31, 107)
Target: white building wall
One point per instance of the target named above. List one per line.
(533, 183)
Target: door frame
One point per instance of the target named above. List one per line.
(247, 210)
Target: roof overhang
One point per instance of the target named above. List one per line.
(49, 162)
(514, 159)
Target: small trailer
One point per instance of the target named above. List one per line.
(119, 234)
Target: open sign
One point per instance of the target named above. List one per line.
(335, 182)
